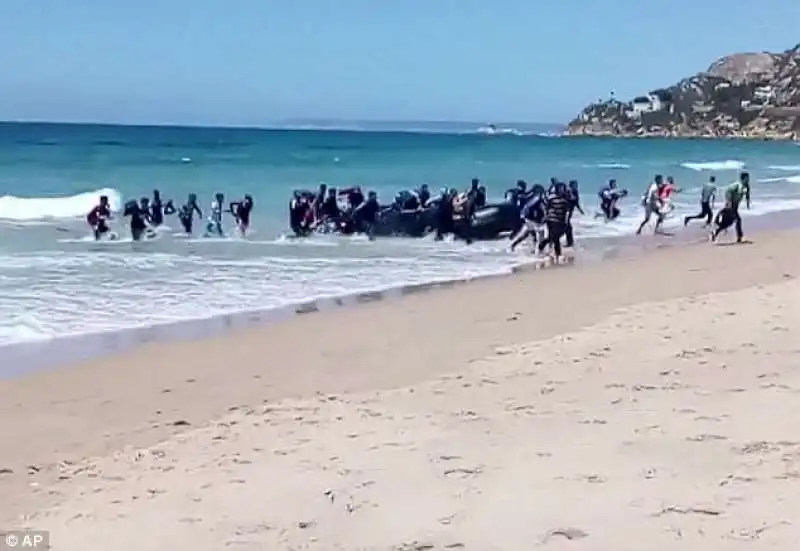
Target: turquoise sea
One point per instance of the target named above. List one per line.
(54, 282)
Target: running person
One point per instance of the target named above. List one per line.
(729, 215)
(707, 196)
(651, 202)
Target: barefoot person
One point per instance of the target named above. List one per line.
(533, 215)
(651, 202)
(729, 216)
(707, 196)
(556, 219)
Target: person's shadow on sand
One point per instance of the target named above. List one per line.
(733, 243)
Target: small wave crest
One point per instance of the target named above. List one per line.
(714, 165)
(782, 179)
(499, 131)
(611, 166)
(785, 168)
(42, 208)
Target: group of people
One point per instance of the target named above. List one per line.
(321, 211)
(146, 215)
(657, 202)
(545, 216)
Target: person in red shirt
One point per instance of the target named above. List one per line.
(665, 194)
(98, 216)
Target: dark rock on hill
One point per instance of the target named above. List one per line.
(747, 95)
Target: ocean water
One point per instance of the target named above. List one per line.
(55, 282)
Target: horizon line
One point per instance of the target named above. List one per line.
(285, 124)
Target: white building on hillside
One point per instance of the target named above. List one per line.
(645, 104)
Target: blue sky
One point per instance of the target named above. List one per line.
(251, 62)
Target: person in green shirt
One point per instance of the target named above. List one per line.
(729, 215)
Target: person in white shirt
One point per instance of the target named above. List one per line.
(652, 204)
(214, 222)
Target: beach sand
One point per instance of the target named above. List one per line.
(644, 403)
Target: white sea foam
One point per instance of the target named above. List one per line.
(795, 179)
(714, 165)
(785, 168)
(62, 294)
(611, 166)
(41, 208)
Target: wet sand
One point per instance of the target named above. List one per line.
(649, 399)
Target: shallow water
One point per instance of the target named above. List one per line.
(53, 281)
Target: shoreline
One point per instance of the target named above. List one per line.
(26, 357)
(316, 402)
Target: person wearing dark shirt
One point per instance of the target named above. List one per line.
(329, 209)
(187, 211)
(556, 218)
(476, 196)
(319, 199)
(408, 200)
(518, 195)
(423, 195)
(553, 184)
(98, 216)
(444, 214)
(139, 217)
(366, 214)
(574, 196)
(354, 196)
(157, 209)
(533, 214)
(300, 214)
(241, 211)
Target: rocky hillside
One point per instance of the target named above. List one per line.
(748, 95)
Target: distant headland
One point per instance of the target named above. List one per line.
(744, 95)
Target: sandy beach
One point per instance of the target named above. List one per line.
(643, 403)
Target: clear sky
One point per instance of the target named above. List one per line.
(253, 62)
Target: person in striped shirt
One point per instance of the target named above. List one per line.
(556, 218)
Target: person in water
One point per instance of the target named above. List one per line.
(365, 215)
(159, 209)
(651, 203)
(214, 222)
(707, 196)
(609, 197)
(476, 196)
(187, 211)
(316, 203)
(329, 211)
(729, 215)
(574, 195)
(423, 195)
(240, 210)
(445, 214)
(533, 216)
(139, 214)
(301, 215)
(98, 217)
(556, 218)
(354, 197)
